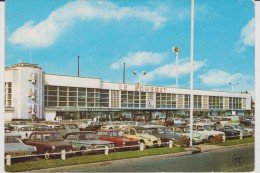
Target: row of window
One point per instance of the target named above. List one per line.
(60, 96)
(8, 94)
(89, 97)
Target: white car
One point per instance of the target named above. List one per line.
(179, 121)
(23, 131)
(111, 125)
(207, 130)
(53, 124)
(85, 124)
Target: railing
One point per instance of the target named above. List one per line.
(63, 153)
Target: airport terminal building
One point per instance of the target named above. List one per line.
(31, 93)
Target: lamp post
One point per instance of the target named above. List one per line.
(139, 77)
(232, 90)
(191, 70)
(176, 50)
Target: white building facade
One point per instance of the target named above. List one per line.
(32, 94)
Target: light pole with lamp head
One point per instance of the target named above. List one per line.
(191, 69)
(232, 90)
(176, 50)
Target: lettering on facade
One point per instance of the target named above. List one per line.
(143, 88)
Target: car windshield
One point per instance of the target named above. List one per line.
(219, 128)
(164, 130)
(29, 128)
(152, 131)
(208, 128)
(114, 134)
(240, 126)
(52, 137)
(141, 131)
(186, 130)
(72, 126)
(228, 127)
(88, 136)
(11, 139)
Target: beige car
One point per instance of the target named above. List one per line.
(140, 134)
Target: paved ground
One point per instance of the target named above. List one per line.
(189, 151)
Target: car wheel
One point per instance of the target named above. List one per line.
(46, 154)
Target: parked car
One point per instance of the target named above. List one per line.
(207, 121)
(53, 124)
(23, 131)
(223, 121)
(8, 128)
(42, 127)
(85, 124)
(247, 121)
(87, 142)
(140, 134)
(229, 133)
(111, 125)
(212, 135)
(196, 137)
(166, 134)
(246, 132)
(15, 147)
(92, 126)
(179, 121)
(48, 142)
(63, 129)
(118, 137)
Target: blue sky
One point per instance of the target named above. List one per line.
(141, 33)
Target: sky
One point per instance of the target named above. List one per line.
(140, 33)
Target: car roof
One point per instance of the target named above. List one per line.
(81, 132)
(45, 132)
(11, 134)
(137, 127)
(108, 130)
(154, 126)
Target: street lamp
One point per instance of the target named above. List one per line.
(232, 89)
(139, 75)
(191, 69)
(176, 50)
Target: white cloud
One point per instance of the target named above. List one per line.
(169, 70)
(138, 59)
(247, 34)
(45, 33)
(221, 78)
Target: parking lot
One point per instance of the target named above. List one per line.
(67, 139)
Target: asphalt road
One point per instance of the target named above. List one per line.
(233, 159)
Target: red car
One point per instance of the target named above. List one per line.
(48, 142)
(117, 136)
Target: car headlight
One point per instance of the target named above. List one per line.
(73, 146)
(53, 147)
(93, 146)
(124, 143)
